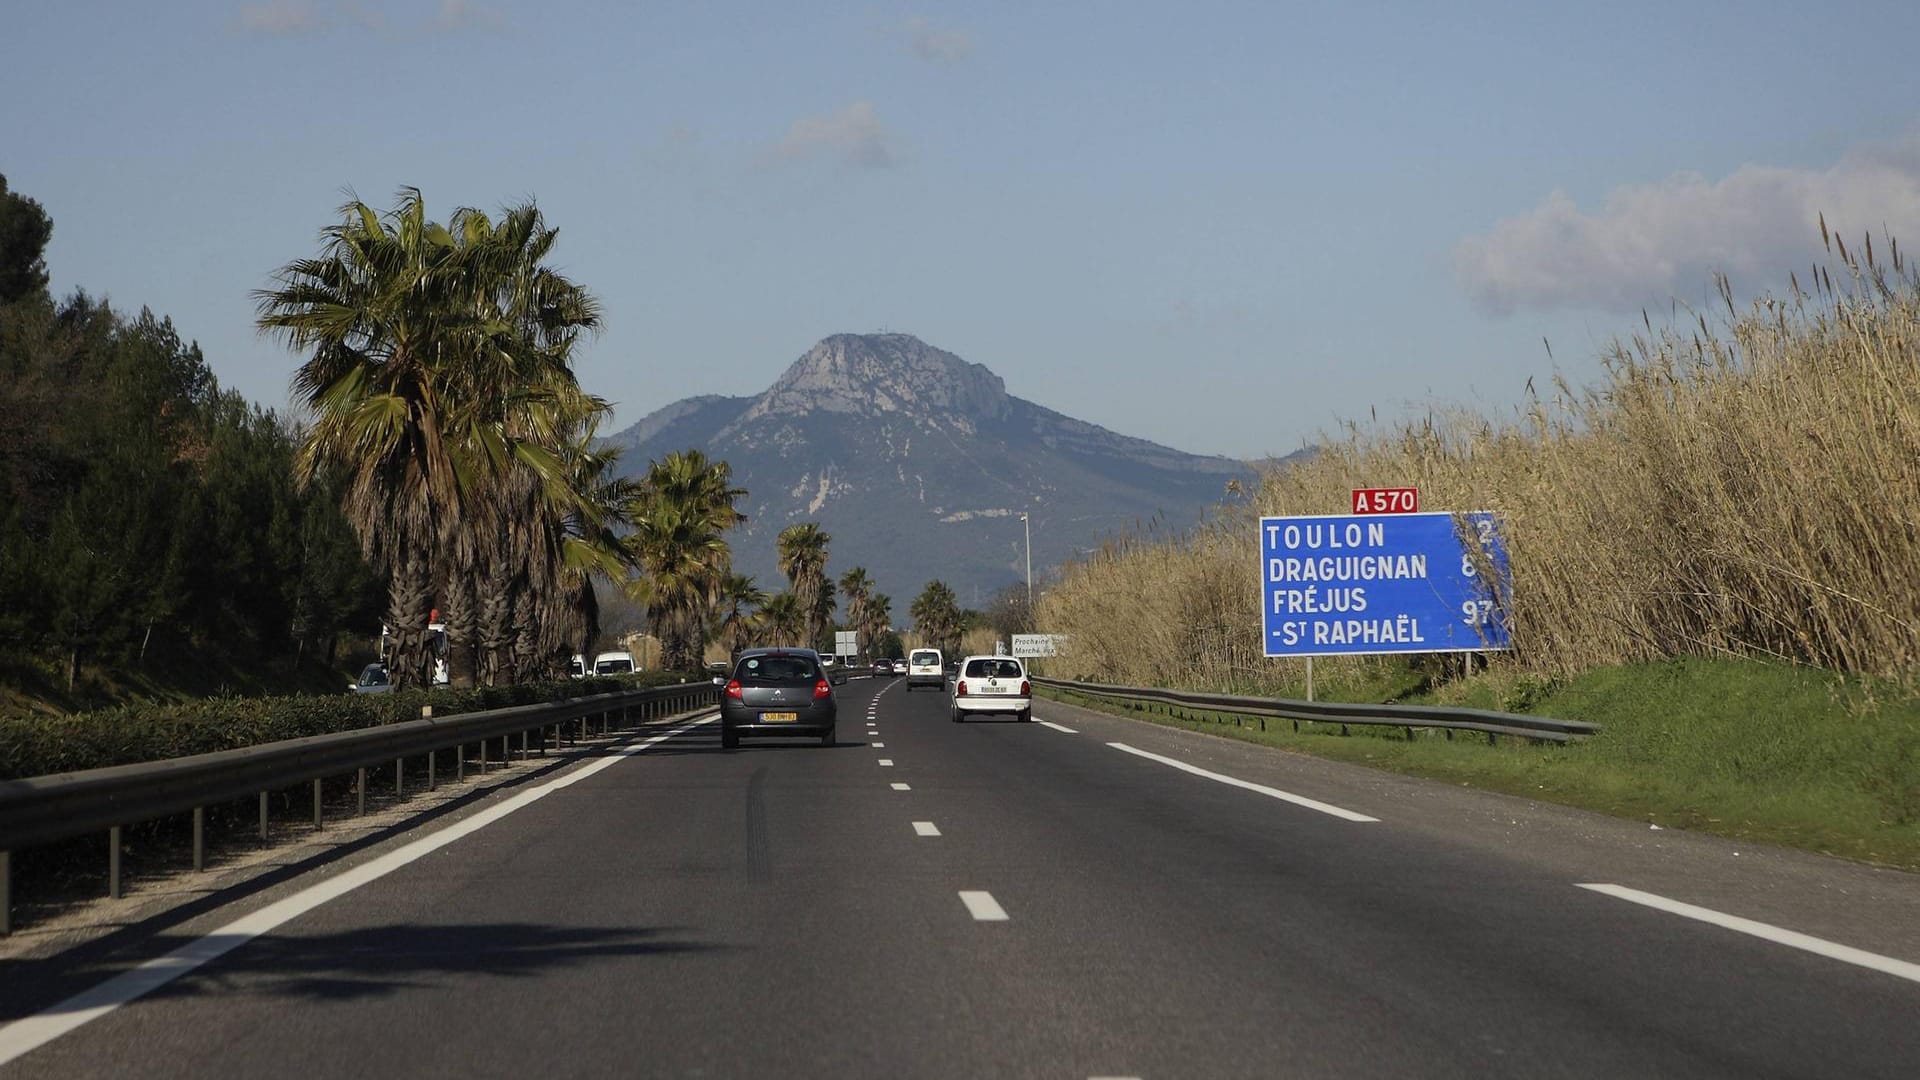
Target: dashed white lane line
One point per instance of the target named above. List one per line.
(37, 1030)
(879, 746)
(1793, 939)
(982, 906)
(1056, 727)
(925, 828)
(901, 787)
(886, 761)
(1274, 793)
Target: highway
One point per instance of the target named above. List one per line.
(931, 899)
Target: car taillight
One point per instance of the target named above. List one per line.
(733, 688)
(960, 688)
(1026, 688)
(821, 689)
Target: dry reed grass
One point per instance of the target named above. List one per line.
(1750, 488)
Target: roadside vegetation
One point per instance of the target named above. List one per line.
(1720, 532)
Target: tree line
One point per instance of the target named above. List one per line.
(148, 517)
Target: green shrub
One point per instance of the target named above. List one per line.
(37, 745)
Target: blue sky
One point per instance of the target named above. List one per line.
(1222, 226)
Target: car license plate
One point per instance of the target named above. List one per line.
(992, 689)
(779, 717)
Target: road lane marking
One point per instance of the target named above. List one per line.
(1275, 793)
(879, 746)
(1056, 727)
(886, 761)
(982, 906)
(901, 787)
(1793, 939)
(31, 1032)
(925, 828)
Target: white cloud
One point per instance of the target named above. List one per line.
(940, 45)
(279, 18)
(1652, 241)
(853, 136)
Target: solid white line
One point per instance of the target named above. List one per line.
(43, 1027)
(901, 787)
(982, 906)
(1276, 793)
(886, 761)
(1056, 727)
(1778, 935)
(925, 828)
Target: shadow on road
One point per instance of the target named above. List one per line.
(380, 961)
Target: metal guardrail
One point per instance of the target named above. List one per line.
(1494, 724)
(43, 809)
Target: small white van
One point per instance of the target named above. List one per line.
(923, 669)
(614, 663)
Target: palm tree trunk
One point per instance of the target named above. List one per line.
(496, 623)
(409, 605)
(458, 599)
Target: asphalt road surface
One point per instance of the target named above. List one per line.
(1004, 899)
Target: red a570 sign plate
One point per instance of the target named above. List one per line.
(1386, 500)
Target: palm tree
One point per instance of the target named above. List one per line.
(782, 619)
(384, 313)
(879, 616)
(684, 560)
(735, 608)
(680, 510)
(856, 586)
(936, 615)
(437, 364)
(802, 552)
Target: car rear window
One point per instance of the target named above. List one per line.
(993, 669)
(925, 658)
(775, 669)
(613, 667)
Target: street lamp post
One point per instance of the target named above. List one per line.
(1027, 526)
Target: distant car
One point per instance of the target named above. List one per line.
(882, 666)
(577, 667)
(373, 680)
(777, 692)
(836, 671)
(923, 669)
(992, 684)
(614, 663)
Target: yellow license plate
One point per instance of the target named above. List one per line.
(779, 717)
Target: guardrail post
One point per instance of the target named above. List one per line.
(399, 777)
(113, 862)
(525, 753)
(263, 817)
(199, 838)
(360, 786)
(460, 762)
(433, 762)
(316, 803)
(6, 892)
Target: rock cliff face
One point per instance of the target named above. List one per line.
(919, 464)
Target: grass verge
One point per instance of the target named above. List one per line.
(1783, 755)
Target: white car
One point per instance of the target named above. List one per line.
(923, 669)
(992, 684)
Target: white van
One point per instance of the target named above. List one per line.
(923, 669)
(614, 663)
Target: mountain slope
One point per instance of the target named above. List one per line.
(919, 464)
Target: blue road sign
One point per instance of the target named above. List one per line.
(1345, 585)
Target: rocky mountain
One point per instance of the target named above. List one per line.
(920, 463)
